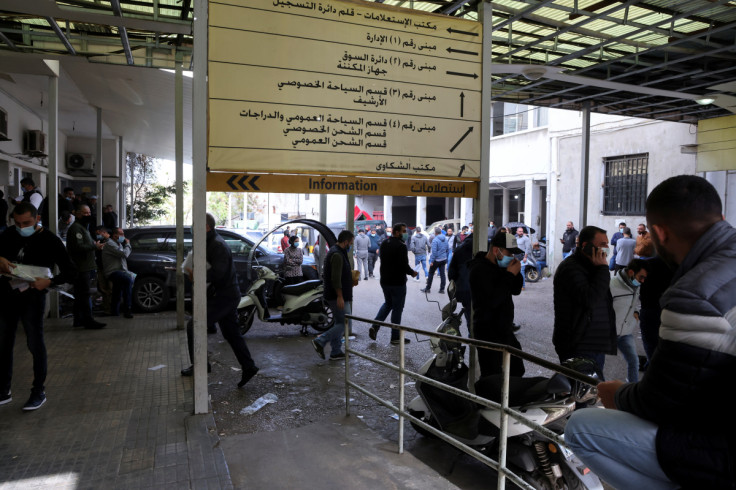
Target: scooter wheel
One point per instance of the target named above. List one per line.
(245, 318)
(421, 430)
(532, 274)
(323, 327)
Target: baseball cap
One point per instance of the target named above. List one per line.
(507, 241)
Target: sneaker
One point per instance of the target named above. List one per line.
(373, 332)
(416, 279)
(340, 356)
(6, 398)
(37, 399)
(425, 290)
(317, 347)
(247, 375)
(442, 291)
(396, 341)
(365, 278)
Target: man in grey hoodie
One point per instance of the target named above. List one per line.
(362, 244)
(419, 247)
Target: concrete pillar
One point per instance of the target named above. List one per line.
(505, 211)
(466, 210)
(100, 196)
(421, 211)
(529, 202)
(52, 186)
(388, 206)
(456, 208)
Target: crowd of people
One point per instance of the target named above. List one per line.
(33, 260)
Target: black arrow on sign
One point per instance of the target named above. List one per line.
(253, 182)
(230, 182)
(462, 104)
(470, 130)
(462, 169)
(452, 50)
(241, 182)
(451, 30)
(458, 74)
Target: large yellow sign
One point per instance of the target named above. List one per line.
(336, 184)
(340, 86)
(717, 144)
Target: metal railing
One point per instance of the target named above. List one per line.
(506, 412)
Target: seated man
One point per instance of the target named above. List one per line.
(668, 430)
(114, 260)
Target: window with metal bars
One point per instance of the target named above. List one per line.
(625, 184)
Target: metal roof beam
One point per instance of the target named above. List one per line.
(522, 14)
(123, 32)
(453, 7)
(7, 41)
(61, 35)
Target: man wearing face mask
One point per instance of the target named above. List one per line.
(584, 320)
(625, 291)
(27, 243)
(671, 429)
(81, 248)
(104, 286)
(115, 265)
(375, 243)
(495, 276)
(614, 240)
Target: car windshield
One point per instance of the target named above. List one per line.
(248, 236)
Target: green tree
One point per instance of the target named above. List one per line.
(151, 200)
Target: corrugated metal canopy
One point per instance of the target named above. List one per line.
(643, 58)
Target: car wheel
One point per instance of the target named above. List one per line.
(150, 294)
(245, 318)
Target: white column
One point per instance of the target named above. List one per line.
(100, 197)
(388, 205)
(505, 211)
(52, 186)
(179, 156)
(466, 210)
(421, 211)
(122, 174)
(456, 209)
(529, 202)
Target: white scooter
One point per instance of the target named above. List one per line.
(303, 303)
(539, 461)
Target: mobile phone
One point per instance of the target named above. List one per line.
(589, 249)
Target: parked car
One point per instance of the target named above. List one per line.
(338, 226)
(153, 260)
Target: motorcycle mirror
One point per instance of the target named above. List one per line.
(451, 291)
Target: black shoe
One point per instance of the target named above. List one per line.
(5, 398)
(396, 341)
(320, 350)
(365, 278)
(340, 356)
(190, 370)
(37, 399)
(128, 314)
(211, 330)
(247, 375)
(442, 291)
(373, 332)
(94, 325)
(425, 290)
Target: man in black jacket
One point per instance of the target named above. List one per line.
(458, 273)
(671, 429)
(223, 296)
(495, 276)
(585, 324)
(394, 269)
(27, 243)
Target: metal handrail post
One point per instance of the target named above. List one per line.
(504, 421)
(402, 365)
(346, 333)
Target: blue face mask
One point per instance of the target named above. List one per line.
(504, 261)
(27, 231)
(121, 239)
(99, 237)
(635, 283)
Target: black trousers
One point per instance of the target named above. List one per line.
(82, 301)
(224, 312)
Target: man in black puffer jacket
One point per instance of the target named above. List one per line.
(584, 319)
(671, 429)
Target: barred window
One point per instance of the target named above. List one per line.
(625, 184)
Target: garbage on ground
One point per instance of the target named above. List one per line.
(259, 404)
(156, 368)
(395, 416)
(235, 369)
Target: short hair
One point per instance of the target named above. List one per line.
(642, 224)
(210, 221)
(685, 203)
(588, 233)
(27, 181)
(80, 205)
(114, 231)
(286, 232)
(398, 226)
(437, 230)
(464, 228)
(622, 224)
(638, 264)
(345, 236)
(627, 231)
(67, 189)
(102, 228)
(25, 207)
(292, 239)
(418, 229)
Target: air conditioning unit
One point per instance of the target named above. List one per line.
(3, 125)
(34, 143)
(79, 162)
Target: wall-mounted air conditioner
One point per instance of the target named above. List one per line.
(79, 162)
(34, 143)
(3, 125)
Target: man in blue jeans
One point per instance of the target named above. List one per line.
(338, 292)
(668, 430)
(115, 265)
(394, 269)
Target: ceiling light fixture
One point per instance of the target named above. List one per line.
(534, 73)
(705, 100)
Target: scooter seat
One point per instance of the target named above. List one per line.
(521, 390)
(302, 287)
